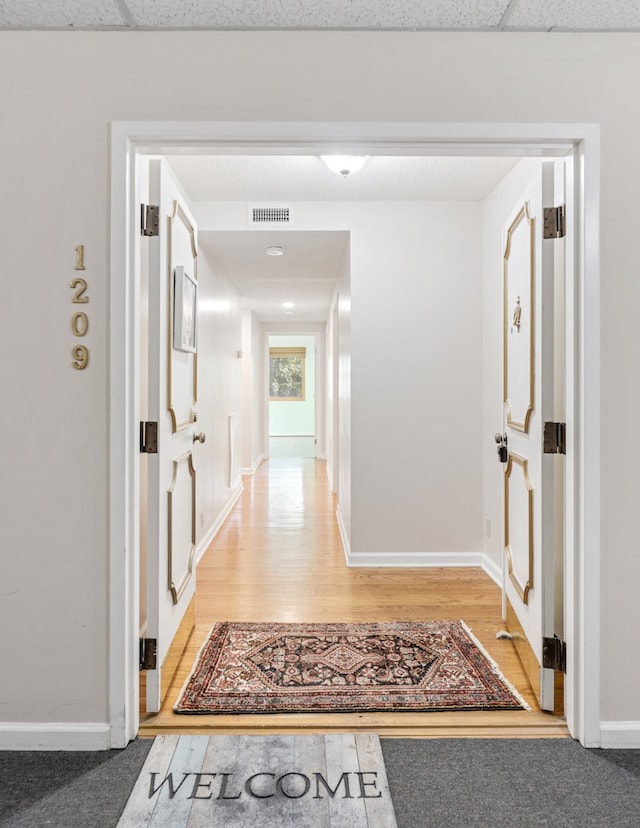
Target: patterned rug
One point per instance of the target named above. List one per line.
(336, 668)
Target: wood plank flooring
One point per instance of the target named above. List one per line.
(278, 557)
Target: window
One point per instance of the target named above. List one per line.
(286, 374)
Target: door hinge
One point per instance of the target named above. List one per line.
(150, 219)
(554, 222)
(555, 438)
(148, 438)
(554, 654)
(148, 652)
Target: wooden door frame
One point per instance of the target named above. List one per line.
(582, 528)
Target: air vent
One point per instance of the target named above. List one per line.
(270, 215)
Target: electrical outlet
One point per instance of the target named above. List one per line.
(487, 527)
(202, 519)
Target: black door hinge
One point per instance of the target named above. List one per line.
(149, 219)
(554, 223)
(555, 438)
(149, 437)
(554, 654)
(148, 653)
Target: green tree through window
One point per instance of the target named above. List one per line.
(286, 374)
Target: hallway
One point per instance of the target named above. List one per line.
(279, 557)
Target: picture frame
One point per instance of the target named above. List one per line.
(185, 311)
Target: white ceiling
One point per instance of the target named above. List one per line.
(306, 178)
(306, 274)
(479, 15)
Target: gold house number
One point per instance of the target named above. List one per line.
(79, 320)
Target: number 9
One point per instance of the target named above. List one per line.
(80, 356)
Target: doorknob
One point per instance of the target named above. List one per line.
(199, 438)
(503, 452)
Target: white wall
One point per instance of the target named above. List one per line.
(331, 401)
(219, 390)
(59, 94)
(296, 418)
(345, 459)
(416, 362)
(252, 448)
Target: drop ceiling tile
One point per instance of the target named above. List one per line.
(576, 14)
(60, 14)
(318, 14)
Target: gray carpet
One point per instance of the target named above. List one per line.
(434, 782)
(68, 789)
(514, 782)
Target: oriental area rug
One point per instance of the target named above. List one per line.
(336, 668)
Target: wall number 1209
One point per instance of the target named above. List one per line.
(79, 320)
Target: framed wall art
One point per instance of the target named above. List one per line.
(185, 311)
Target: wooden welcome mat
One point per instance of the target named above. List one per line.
(382, 667)
(250, 781)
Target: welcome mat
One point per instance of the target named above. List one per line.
(335, 668)
(319, 781)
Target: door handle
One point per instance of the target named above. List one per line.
(503, 451)
(199, 438)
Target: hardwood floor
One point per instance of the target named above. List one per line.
(279, 557)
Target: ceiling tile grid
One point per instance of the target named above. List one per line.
(61, 14)
(579, 15)
(361, 15)
(318, 14)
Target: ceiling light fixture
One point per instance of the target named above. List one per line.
(344, 165)
(274, 250)
(288, 305)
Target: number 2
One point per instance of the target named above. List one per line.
(80, 287)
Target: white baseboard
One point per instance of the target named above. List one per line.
(54, 736)
(493, 570)
(253, 469)
(215, 528)
(620, 735)
(425, 559)
(343, 535)
(329, 477)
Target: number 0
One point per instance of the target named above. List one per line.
(79, 323)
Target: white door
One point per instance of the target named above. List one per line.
(172, 397)
(533, 351)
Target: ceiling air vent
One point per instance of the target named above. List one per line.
(279, 214)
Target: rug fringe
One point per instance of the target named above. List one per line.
(176, 706)
(494, 666)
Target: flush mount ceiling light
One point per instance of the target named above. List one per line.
(344, 165)
(288, 305)
(274, 250)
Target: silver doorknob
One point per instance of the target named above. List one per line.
(199, 438)
(500, 438)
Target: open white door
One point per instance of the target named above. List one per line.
(533, 353)
(172, 397)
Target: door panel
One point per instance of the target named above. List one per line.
(529, 389)
(519, 319)
(172, 402)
